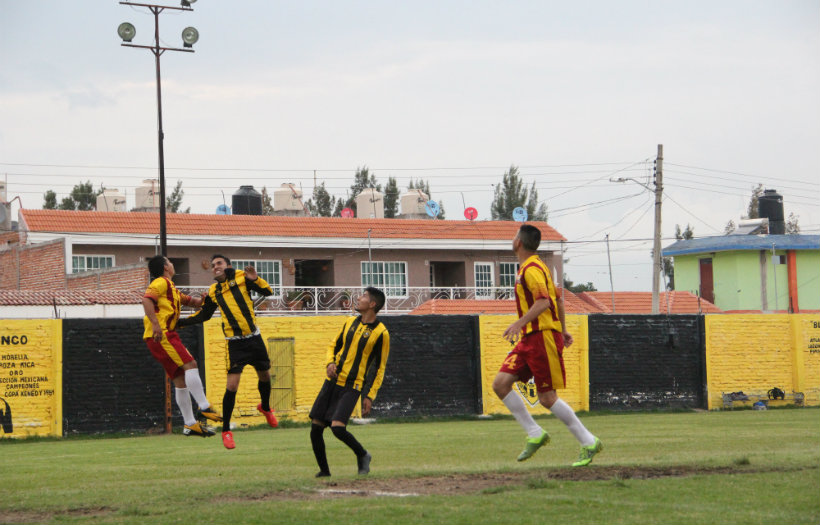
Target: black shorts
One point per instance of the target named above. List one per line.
(251, 351)
(334, 403)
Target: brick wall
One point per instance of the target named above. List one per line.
(646, 361)
(35, 267)
(130, 277)
(110, 381)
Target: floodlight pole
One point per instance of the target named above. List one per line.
(157, 50)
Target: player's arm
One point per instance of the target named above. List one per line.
(208, 308)
(562, 317)
(333, 349)
(381, 351)
(255, 283)
(149, 305)
(513, 332)
(189, 300)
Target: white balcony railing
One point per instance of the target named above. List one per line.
(315, 300)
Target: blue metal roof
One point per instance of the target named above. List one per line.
(725, 243)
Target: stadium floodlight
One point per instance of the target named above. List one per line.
(187, 3)
(127, 31)
(189, 36)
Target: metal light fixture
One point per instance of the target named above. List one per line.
(187, 3)
(127, 31)
(190, 36)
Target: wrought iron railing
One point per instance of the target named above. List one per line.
(327, 300)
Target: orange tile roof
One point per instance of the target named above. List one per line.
(641, 302)
(69, 297)
(59, 221)
(572, 305)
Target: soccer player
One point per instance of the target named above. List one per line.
(358, 354)
(161, 303)
(231, 294)
(542, 331)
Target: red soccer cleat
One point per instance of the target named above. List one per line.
(227, 440)
(269, 416)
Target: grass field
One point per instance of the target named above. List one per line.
(737, 467)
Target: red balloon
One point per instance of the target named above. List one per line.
(471, 213)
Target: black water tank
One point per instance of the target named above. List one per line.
(246, 201)
(770, 206)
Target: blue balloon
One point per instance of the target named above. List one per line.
(520, 214)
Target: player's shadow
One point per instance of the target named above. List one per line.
(5, 417)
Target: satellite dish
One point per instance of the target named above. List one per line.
(470, 213)
(520, 214)
(223, 209)
(347, 213)
(432, 208)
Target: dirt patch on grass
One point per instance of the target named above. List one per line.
(23, 516)
(499, 481)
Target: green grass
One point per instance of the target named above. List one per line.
(268, 478)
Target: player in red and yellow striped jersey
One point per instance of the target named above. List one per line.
(162, 303)
(541, 334)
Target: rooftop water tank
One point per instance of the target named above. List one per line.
(246, 201)
(370, 204)
(770, 206)
(147, 195)
(411, 205)
(287, 200)
(111, 200)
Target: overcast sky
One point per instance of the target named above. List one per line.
(452, 92)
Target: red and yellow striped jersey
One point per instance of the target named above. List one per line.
(167, 303)
(534, 282)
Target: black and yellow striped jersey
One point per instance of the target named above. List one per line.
(233, 299)
(359, 348)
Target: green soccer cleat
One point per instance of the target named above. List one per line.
(533, 444)
(587, 453)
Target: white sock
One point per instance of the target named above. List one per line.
(516, 406)
(565, 413)
(184, 404)
(194, 383)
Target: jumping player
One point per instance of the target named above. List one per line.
(161, 304)
(539, 353)
(358, 353)
(231, 294)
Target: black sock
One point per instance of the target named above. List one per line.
(228, 402)
(347, 438)
(264, 392)
(318, 442)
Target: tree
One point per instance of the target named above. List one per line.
(792, 227)
(83, 197)
(667, 263)
(511, 194)
(578, 288)
(321, 204)
(173, 202)
(267, 206)
(424, 186)
(753, 210)
(50, 200)
(730, 227)
(391, 198)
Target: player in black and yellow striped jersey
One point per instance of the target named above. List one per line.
(356, 361)
(231, 294)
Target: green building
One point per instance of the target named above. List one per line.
(750, 272)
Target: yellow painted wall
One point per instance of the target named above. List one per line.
(31, 363)
(495, 348)
(311, 335)
(753, 353)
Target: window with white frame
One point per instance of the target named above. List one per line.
(506, 277)
(484, 280)
(390, 277)
(269, 270)
(85, 263)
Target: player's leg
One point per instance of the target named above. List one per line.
(344, 408)
(514, 369)
(261, 362)
(322, 409)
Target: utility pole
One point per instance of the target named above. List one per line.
(609, 263)
(656, 250)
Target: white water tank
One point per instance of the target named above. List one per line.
(111, 200)
(370, 204)
(3, 191)
(412, 204)
(147, 195)
(288, 198)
